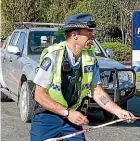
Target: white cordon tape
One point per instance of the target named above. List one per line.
(87, 130)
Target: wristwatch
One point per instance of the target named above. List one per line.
(65, 113)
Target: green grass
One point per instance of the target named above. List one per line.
(138, 77)
(137, 90)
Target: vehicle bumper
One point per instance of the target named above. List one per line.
(118, 94)
(117, 98)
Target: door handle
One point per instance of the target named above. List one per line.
(3, 60)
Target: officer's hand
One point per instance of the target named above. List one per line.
(123, 114)
(77, 118)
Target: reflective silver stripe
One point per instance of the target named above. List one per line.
(55, 56)
(75, 106)
(85, 86)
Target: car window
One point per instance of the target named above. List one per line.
(38, 40)
(14, 38)
(98, 50)
(21, 41)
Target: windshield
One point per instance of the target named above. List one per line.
(98, 49)
(38, 40)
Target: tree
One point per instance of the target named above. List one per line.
(113, 16)
(18, 11)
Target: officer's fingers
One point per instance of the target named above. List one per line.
(84, 118)
(132, 117)
(81, 122)
(81, 118)
(129, 116)
(77, 122)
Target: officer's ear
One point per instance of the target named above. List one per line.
(74, 34)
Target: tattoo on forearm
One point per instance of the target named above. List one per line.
(104, 100)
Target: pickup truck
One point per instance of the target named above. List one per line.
(20, 61)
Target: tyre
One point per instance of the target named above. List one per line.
(3, 96)
(26, 102)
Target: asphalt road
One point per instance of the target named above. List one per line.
(13, 129)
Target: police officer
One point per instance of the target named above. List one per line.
(66, 73)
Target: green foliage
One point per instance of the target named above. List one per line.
(106, 13)
(138, 77)
(6, 28)
(83, 6)
(138, 84)
(121, 51)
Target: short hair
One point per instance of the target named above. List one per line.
(68, 32)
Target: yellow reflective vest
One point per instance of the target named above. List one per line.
(54, 91)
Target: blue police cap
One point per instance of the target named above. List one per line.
(77, 21)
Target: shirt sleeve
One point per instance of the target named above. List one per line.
(44, 74)
(96, 74)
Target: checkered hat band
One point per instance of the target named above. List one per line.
(75, 25)
(56, 87)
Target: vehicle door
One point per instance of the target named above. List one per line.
(6, 61)
(16, 63)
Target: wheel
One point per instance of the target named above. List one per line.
(26, 102)
(3, 96)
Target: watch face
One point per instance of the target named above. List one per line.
(66, 113)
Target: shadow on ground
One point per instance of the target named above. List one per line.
(97, 118)
(7, 100)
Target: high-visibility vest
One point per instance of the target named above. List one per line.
(54, 91)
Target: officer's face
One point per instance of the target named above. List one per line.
(85, 38)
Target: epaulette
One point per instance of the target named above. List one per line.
(56, 47)
(52, 48)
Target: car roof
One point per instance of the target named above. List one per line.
(37, 29)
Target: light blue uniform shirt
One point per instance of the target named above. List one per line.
(43, 76)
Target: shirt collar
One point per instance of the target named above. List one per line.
(72, 58)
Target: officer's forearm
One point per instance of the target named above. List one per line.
(47, 102)
(104, 100)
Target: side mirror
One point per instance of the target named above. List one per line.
(109, 52)
(13, 49)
